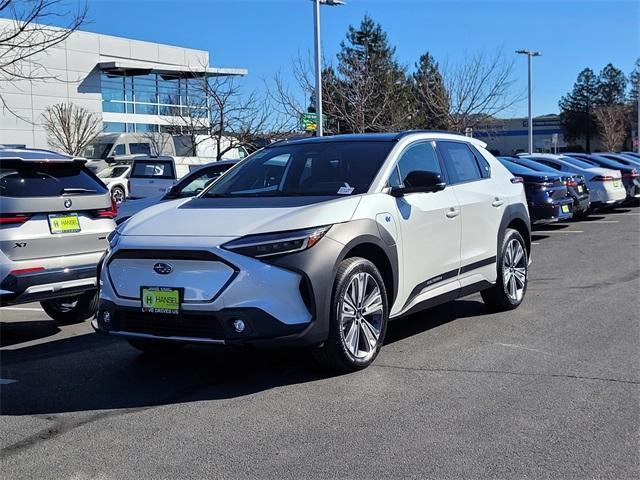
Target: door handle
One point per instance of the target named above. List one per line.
(453, 213)
(497, 202)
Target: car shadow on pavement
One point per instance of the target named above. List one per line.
(92, 372)
(12, 333)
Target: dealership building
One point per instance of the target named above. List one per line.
(133, 86)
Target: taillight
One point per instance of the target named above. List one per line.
(517, 180)
(22, 271)
(12, 218)
(108, 212)
(633, 174)
(571, 183)
(602, 178)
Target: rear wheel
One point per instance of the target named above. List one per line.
(154, 347)
(68, 310)
(118, 195)
(513, 274)
(358, 317)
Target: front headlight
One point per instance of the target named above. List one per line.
(279, 243)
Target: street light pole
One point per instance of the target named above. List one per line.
(318, 58)
(529, 54)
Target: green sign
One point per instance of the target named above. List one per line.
(308, 122)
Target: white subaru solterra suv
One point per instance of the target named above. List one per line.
(320, 242)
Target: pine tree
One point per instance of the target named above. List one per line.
(431, 101)
(612, 86)
(368, 91)
(577, 108)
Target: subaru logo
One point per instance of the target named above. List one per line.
(162, 268)
(68, 203)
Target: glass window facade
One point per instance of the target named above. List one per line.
(151, 94)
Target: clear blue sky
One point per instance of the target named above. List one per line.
(264, 35)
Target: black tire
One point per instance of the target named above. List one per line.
(118, 195)
(334, 354)
(154, 347)
(497, 297)
(69, 310)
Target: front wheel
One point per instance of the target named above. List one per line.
(513, 274)
(68, 310)
(358, 317)
(118, 195)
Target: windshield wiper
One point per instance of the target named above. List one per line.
(76, 191)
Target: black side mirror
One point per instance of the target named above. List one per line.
(419, 181)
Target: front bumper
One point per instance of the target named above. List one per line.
(279, 301)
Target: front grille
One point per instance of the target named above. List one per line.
(183, 325)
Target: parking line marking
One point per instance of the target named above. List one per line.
(535, 243)
(24, 309)
(544, 232)
(603, 221)
(7, 381)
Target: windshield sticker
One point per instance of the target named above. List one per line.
(346, 190)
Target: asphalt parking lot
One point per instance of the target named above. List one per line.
(549, 390)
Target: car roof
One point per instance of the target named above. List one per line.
(37, 155)
(379, 137)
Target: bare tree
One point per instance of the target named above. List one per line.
(26, 35)
(613, 121)
(477, 90)
(70, 128)
(220, 111)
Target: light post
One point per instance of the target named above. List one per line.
(529, 54)
(318, 57)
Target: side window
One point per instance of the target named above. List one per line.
(419, 156)
(140, 148)
(119, 149)
(485, 168)
(460, 162)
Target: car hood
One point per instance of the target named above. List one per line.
(236, 217)
(131, 207)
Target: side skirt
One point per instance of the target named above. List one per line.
(446, 297)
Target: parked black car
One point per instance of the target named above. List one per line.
(630, 175)
(575, 183)
(547, 196)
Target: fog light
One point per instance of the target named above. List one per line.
(106, 316)
(238, 326)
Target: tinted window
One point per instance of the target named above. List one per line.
(308, 168)
(18, 179)
(197, 183)
(152, 169)
(97, 150)
(460, 162)
(419, 156)
(578, 163)
(485, 168)
(140, 148)
(119, 150)
(112, 172)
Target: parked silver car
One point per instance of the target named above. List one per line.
(55, 216)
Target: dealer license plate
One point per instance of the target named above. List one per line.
(617, 182)
(162, 300)
(580, 188)
(64, 223)
(565, 208)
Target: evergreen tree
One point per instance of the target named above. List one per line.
(634, 79)
(431, 101)
(577, 108)
(368, 91)
(612, 86)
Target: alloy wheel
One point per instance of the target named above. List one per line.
(117, 195)
(361, 316)
(514, 270)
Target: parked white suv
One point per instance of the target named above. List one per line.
(320, 242)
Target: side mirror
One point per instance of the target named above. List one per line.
(419, 181)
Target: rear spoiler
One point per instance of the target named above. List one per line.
(46, 160)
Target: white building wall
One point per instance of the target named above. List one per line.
(74, 78)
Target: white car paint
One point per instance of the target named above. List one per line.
(116, 176)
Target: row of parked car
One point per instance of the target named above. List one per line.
(559, 187)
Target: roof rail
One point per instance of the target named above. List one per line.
(404, 133)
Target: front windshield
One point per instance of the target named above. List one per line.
(314, 168)
(97, 151)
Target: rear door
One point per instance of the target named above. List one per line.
(51, 210)
(481, 202)
(151, 177)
